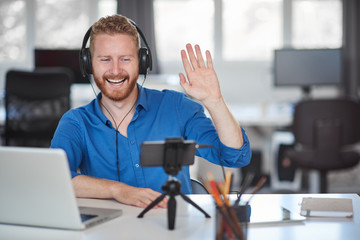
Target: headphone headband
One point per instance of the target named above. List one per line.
(86, 38)
(145, 57)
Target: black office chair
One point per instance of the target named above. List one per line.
(34, 103)
(324, 130)
(198, 187)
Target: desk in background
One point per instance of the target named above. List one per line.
(248, 114)
(191, 224)
(263, 114)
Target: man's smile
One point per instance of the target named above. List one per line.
(115, 80)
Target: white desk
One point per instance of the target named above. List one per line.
(191, 224)
(263, 115)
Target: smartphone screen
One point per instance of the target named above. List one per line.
(152, 153)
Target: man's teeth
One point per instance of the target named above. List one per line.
(116, 80)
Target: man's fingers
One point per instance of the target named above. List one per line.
(209, 59)
(200, 59)
(152, 196)
(186, 63)
(194, 61)
(164, 203)
(184, 84)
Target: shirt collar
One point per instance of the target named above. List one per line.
(142, 100)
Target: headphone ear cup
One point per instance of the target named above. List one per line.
(144, 60)
(85, 62)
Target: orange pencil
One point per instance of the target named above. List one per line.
(216, 195)
(227, 181)
(234, 225)
(231, 211)
(214, 191)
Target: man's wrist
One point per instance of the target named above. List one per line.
(214, 104)
(115, 189)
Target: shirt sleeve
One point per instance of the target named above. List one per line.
(68, 137)
(200, 128)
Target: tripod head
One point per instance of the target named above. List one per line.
(173, 155)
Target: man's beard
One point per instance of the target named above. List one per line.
(115, 94)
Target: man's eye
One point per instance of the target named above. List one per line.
(105, 59)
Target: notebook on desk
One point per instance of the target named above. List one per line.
(326, 207)
(36, 190)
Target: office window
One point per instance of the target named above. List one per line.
(317, 24)
(251, 29)
(178, 22)
(106, 7)
(58, 23)
(12, 31)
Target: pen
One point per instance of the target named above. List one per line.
(247, 181)
(257, 187)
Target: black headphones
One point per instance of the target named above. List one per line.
(145, 61)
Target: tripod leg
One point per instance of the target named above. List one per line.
(171, 212)
(153, 204)
(194, 204)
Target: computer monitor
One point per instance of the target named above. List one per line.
(307, 67)
(60, 58)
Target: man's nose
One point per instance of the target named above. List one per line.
(116, 67)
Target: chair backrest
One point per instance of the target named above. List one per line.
(34, 104)
(327, 123)
(198, 187)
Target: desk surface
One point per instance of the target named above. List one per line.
(191, 224)
(263, 115)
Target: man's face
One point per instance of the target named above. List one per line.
(115, 65)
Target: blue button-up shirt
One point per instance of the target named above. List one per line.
(89, 139)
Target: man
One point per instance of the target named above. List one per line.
(102, 139)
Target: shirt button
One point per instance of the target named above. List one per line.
(136, 165)
(132, 142)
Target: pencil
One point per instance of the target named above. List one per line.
(234, 225)
(259, 184)
(257, 187)
(231, 211)
(227, 181)
(246, 183)
(214, 191)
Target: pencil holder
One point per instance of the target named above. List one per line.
(243, 212)
(232, 222)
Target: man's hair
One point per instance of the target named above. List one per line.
(111, 25)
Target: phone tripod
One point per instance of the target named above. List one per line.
(171, 188)
(172, 162)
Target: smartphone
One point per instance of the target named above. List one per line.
(152, 153)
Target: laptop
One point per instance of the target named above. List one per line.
(36, 190)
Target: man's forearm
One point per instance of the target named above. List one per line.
(227, 126)
(91, 187)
